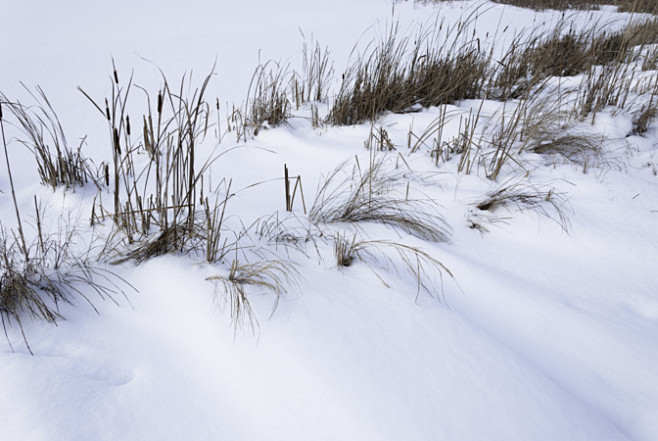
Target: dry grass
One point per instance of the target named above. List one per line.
(34, 282)
(268, 97)
(58, 164)
(370, 196)
(279, 233)
(317, 74)
(161, 208)
(514, 192)
(644, 118)
(274, 276)
(156, 179)
(418, 263)
(644, 6)
(397, 74)
(547, 128)
(565, 52)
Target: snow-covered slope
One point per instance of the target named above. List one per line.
(545, 331)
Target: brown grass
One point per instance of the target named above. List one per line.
(370, 196)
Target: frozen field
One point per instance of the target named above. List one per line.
(527, 318)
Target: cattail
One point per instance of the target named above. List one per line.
(160, 102)
(107, 110)
(117, 147)
(116, 76)
(147, 141)
(128, 125)
(1, 109)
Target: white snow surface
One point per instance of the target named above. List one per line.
(541, 335)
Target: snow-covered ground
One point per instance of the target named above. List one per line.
(542, 333)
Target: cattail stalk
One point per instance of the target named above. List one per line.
(13, 192)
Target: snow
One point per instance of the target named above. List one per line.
(541, 335)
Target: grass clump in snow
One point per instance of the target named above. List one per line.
(370, 196)
(530, 60)
(398, 74)
(36, 283)
(158, 180)
(58, 164)
(514, 192)
(36, 278)
(274, 276)
(416, 261)
(268, 97)
(643, 119)
(639, 6)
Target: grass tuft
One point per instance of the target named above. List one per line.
(370, 196)
(512, 192)
(416, 261)
(274, 276)
(58, 164)
(397, 75)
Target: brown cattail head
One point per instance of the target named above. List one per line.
(0, 110)
(116, 76)
(107, 110)
(117, 145)
(160, 103)
(128, 125)
(217, 103)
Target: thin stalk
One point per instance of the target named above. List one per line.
(13, 192)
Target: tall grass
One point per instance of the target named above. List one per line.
(641, 6)
(36, 276)
(58, 163)
(397, 74)
(159, 205)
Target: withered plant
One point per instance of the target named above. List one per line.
(371, 195)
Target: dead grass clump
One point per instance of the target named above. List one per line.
(170, 240)
(33, 283)
(370, 196)
(529, 61)
(577, 148)
(548, 129)
(279, 233)
(514, 192)
(417, 262)
(642, 6)
(166, 190)
(267, 98)
(58, 164)
(552, 4)
(621, 46)
(505, 140)
(317, 73)
(603, 86)
(560, 54)
(274, 276)
(158, 180)
(392, 77)
(644, 118)
(638, 6)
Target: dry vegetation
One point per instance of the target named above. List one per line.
(643, 6)
(370, 195)
(161, 201)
